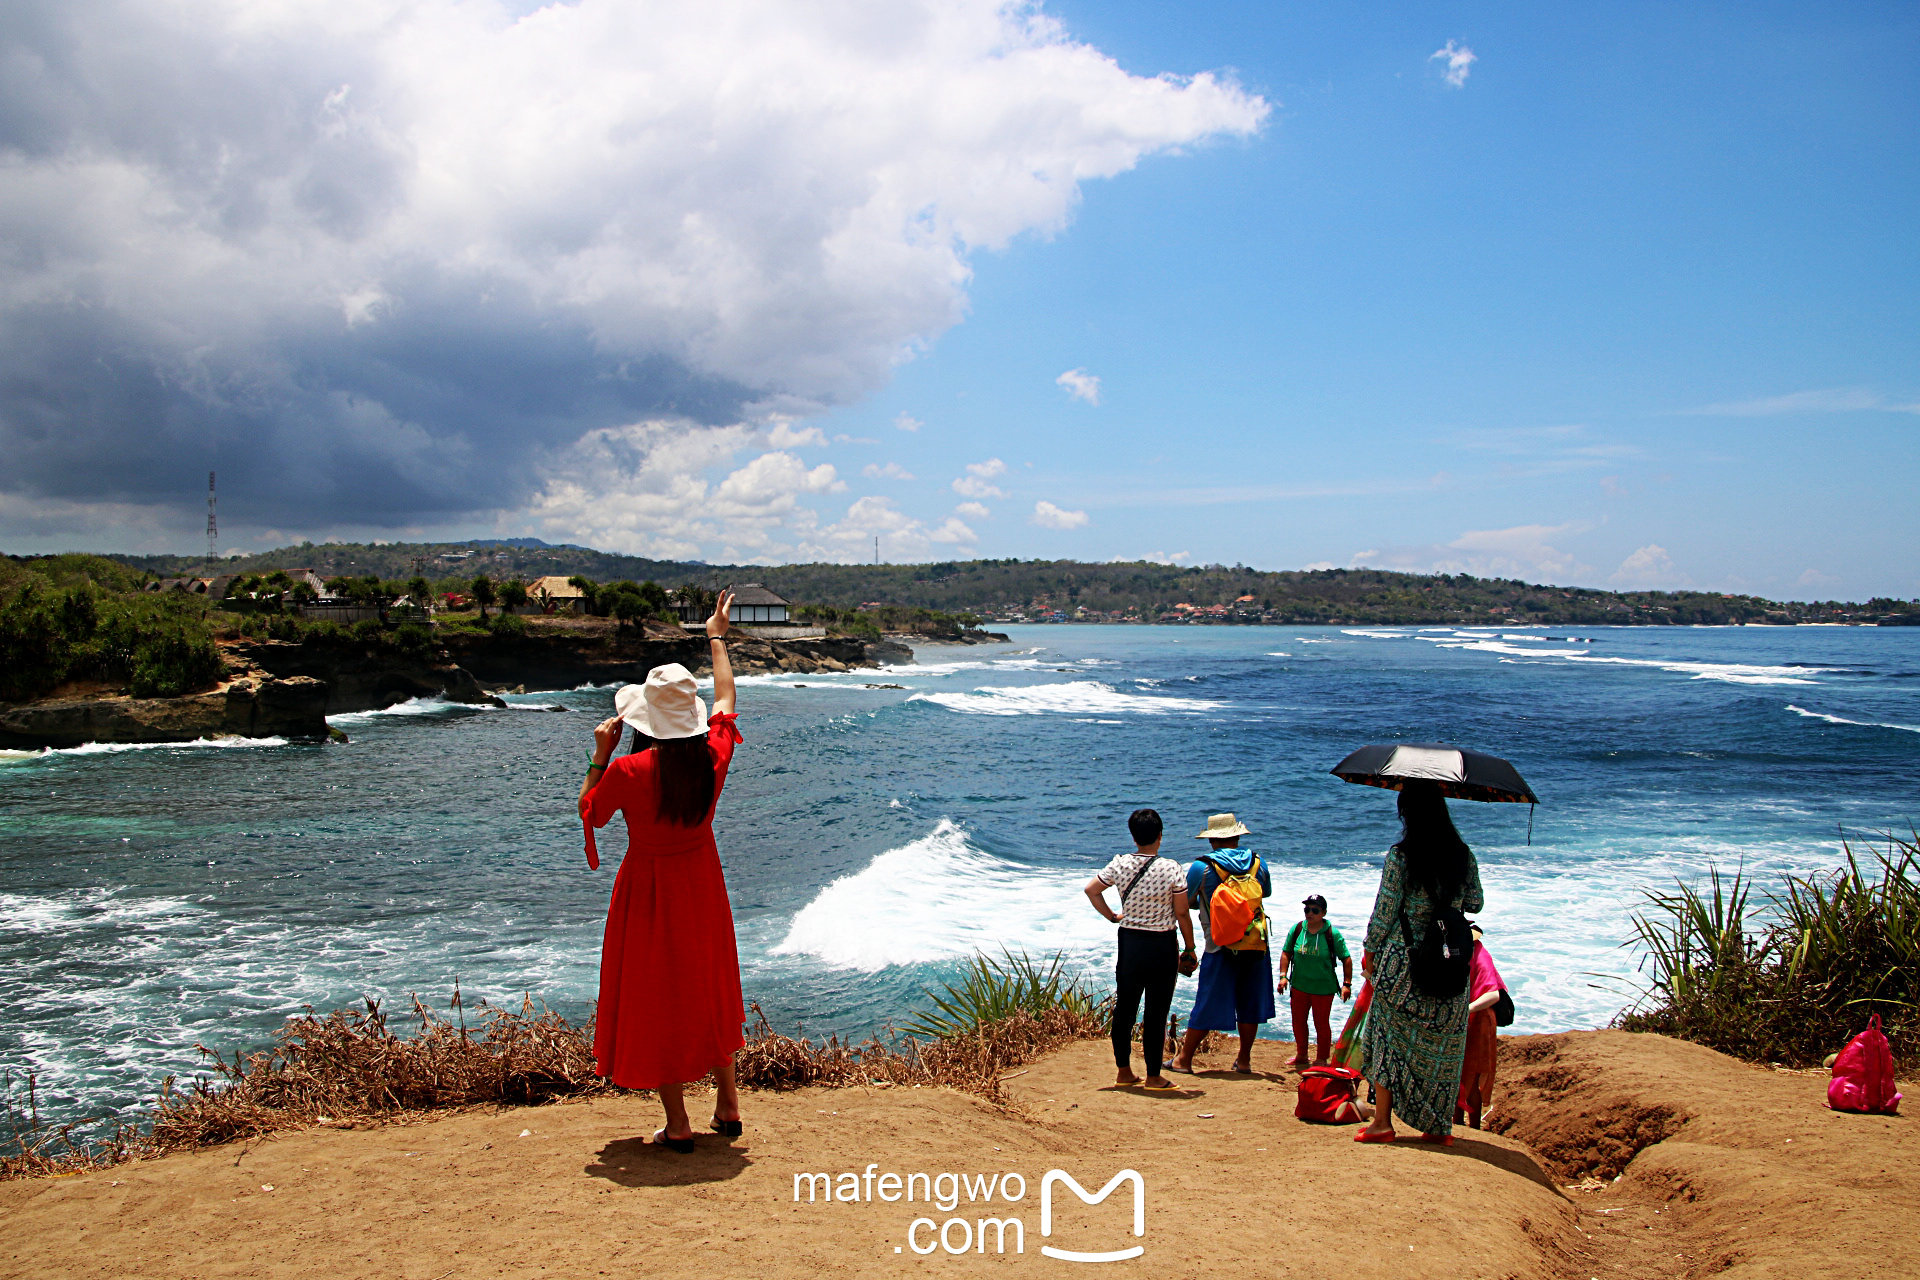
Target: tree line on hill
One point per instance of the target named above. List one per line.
(1064, 590)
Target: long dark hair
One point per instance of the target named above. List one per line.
(684, 769)
(1437, 858)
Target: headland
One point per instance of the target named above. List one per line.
(1633, 1157)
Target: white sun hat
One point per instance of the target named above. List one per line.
(1223, 826)
(666, 706)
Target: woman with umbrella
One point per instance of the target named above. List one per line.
(1415, 1042)
(1414, 1036)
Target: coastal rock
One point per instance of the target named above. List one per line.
(247, 708)
(361, 679)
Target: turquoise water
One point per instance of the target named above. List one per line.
(155, 897)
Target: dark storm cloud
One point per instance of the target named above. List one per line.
(380, 261)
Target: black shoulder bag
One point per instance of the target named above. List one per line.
(1437, 963)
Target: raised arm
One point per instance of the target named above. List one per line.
(606, 737)
(717, 650)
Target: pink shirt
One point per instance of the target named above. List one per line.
(1482, 977)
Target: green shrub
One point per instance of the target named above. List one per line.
(368, 631)
(323, 633)
(285, 627)
(1790, 979)
(173, 661)
(991, 991)
(412, 638)
(508, 626)
(81, 618)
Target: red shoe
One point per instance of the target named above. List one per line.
(1365, 1136)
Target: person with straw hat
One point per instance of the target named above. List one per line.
(670, 1006)
(1236, 974)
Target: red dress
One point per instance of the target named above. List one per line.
(670, 1007)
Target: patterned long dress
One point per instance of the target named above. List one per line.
(1414, 1043)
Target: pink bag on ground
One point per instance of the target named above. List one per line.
(1863, 1075)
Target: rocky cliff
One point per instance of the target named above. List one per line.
(287, 688)
(250, 707)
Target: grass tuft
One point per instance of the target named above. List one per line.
(1792, 977)
(994, 991)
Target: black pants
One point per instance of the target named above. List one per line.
(1149, 964)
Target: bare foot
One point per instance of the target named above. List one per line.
(1126, 1076)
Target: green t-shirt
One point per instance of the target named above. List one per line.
(1313, 956)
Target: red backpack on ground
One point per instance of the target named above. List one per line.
(1327, 1095)
(1863, 1075)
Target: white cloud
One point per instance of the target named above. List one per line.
(711, 211)
(1459, 62)
(1154, 557)
(1650, 566)
(1815, 578)
(1080, 384)
(1523, 551)
(785, 435)
(907, 422)
(887, 471)
(972, 510)
(851, 537)
(1048, 516)
(1831, 400)
(954, 530)
(978, 482)
(643, 489)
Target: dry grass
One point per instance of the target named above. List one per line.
(350, 1067)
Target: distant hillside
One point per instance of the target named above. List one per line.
(495, 557)
(1066, 590)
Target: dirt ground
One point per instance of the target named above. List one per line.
(1729, 1170)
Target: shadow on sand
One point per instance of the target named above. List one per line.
(635, 1162)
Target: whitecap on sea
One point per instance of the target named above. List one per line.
(1071, 697)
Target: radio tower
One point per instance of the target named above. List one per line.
(213, 525)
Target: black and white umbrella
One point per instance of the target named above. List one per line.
(1464, 775)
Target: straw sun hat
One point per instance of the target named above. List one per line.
(666, 706)
(1223, 826)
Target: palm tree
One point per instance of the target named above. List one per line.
(483, 594)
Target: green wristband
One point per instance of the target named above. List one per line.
(594, 764)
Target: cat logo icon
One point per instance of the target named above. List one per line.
(1139, 1214)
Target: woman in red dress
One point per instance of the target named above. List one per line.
(670, 1008)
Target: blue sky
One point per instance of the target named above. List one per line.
(1617, 295)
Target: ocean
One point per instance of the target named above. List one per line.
(874, 837)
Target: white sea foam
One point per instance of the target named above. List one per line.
(1375, 633)
(1279, 655)
(1864, 724)
(1079, 697)
(1534, 647)
(115, 748)
(1500, 646)
(942, 898)
(1731, 672)
(429, 706)
(535, 706)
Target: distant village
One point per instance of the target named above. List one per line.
(304, 592)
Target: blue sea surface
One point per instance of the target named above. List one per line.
(874, 837)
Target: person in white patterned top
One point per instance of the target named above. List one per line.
(1153, 902)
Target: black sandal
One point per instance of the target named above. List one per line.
(725, 1128)
(682, 1145)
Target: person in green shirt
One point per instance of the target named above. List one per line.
(1307, 957)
